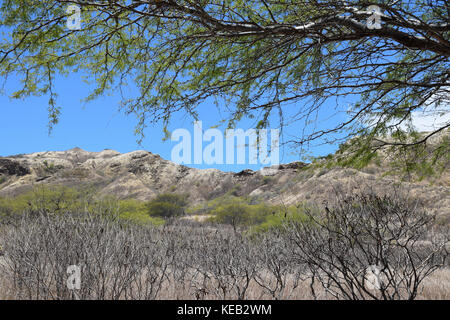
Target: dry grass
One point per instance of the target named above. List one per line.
(436, 287)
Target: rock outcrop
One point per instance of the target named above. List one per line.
(10, 167)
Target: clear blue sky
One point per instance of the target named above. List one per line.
(99, 125)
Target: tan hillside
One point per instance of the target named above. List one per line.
(143, 175)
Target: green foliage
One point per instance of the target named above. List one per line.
(422, 160)
(50, 167)
(234, 213)
(50, 200)
(235, 191)
(255, 57)
(267, 179)
(211, 205)
(279, 218)
(164, 209)
(256, 218)
(167, 205)
(174, 198)
(6, 210)
(322, 172)
(407, 158)
(237, 211)
(136, 212)
(62, 200)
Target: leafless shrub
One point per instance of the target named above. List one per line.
(326, 256)
(367, 236)
(227, 262)
(117, 261)
(278, 274)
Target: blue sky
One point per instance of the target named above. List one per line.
(99, 125)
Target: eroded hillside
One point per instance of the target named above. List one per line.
(142, 175)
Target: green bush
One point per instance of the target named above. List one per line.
(175, 198)
(167, 205)
(238, 212)
(210, 206)
(234, 214)
(48, 200)
(62, 200)
(135, 212)
(278, 219)
(267, 179)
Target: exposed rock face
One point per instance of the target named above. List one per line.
(292, 165)
(139, 174)
(244, 173)
(143, 175)
(10, 167)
